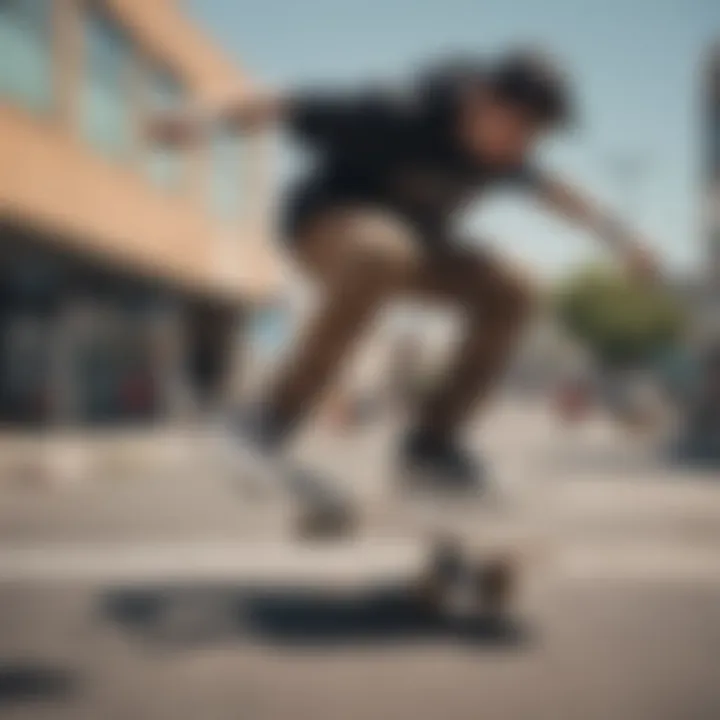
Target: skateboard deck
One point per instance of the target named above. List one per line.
(476, 548)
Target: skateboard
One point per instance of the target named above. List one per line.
(475, 552)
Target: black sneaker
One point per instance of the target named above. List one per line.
(440, 464)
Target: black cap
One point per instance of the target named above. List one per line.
(536, 84)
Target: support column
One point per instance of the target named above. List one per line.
(712, 168)
(68, 334)
(169, 348)
(213, 352)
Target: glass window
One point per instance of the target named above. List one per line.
(25, 52)
(270, 329)
(166, 166)
(226, 190)
(107, 112)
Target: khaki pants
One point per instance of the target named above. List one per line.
(363, 258)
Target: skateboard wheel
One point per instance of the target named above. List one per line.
(444, 570)
(326, 522)
(496, 584)
(447, 562)
(431, 592)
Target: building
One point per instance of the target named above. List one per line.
(125, 269)
(700, 370)
(702, 292)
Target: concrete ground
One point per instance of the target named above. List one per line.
(168, 594)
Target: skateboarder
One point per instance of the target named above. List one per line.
(373, 221)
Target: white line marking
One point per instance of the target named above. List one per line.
(351, 562)
(347, 563)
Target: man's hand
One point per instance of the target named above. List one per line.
(643, 264)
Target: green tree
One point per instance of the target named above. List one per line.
(622, 321)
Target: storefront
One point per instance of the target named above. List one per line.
(85, 344)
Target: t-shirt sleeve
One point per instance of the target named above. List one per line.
(331, 120)
(441, 86)
(377, 113)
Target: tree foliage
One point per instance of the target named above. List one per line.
(623, 322)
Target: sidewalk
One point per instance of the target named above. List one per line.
(60, 458)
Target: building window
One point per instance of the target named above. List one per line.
(166, 165)
(270, 329)
(107, 107)
(226, 183)
(25, 52)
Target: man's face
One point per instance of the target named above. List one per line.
(497, 132)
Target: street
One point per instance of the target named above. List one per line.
(170, 595)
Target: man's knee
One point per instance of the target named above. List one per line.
(382, 249)
(503, 293)
(518, 297)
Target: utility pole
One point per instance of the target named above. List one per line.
(711, 169)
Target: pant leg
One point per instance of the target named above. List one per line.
(495, 301)
(360, 258)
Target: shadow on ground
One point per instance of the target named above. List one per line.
(299, 617)
(27, 682)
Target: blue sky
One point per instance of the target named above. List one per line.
(636, 64)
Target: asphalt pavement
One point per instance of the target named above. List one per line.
(171, 595)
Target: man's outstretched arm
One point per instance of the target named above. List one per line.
(567, 201)
(323, 118)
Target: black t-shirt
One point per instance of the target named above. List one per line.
(395, 150)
